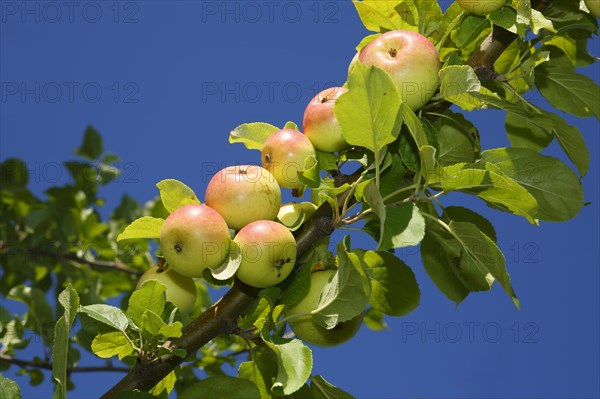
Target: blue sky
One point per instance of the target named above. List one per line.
(164, 83)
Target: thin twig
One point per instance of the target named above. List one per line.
(48, 366)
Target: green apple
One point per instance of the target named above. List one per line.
(320, 124)
(593, 6)
(243, 194)
(481, 7)
(181, 290)
(268, 251)
(293, 214)
(193, 238)
(303, 325)
(284, 154)
(411, 61)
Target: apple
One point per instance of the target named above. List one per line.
(181, 290)
(284, 154)
(293, 214)
(320, 124)
(268, 251)
(481, 7)
(411, 61)
(303, 325)
(243, 194)
(193, 238)
(593, 6)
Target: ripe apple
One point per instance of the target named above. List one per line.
(593, 6)
(293, 213)
(181, 290)
(193, 238)
(268, 251)
(320, 124)
(243, 194)
(284, 154)
(411, 61)
(303, 325)
(481, 7)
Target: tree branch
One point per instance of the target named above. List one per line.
(60, 256)
(48, 366)
(219, 317)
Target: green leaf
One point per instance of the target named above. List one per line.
(470, 28)
(374, 319)
(458, 139)
(112, 343)
(568, 90)
(291, 125)
(572, 142)
(144, 227)
(91, 148)
(298, 288)
(399, 226)
(367, 112)
(150, 296)
(463, 259)
(414, 125)
(455, 80)
(106, 314)
(394, 289)
(252, 135)
(174, 194)
(539, 21)
(322, 389)
(231, 264)
(39, 313)
(327, 160)
(222, 387)
(523, 8)
(166, 384)
(294, 364)
(386, 15)
(555, 187)
(151, 323)
(505, 17)
(482, 254)
(261, 370)
(344, 297)
(310, 174)
(460, 214)
(9, 388)
(69, 299)
(490, 183)
(528, 132)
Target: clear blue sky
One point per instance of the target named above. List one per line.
(164, 83)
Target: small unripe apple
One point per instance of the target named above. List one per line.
(481, 7)
(268, 251)
(320, 124)
(303, 325)
(284, 154)
(593, 6)
(411, 61)
(243, 194)
(193, 238)
(180, 290)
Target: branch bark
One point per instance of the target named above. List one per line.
(224, 313)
